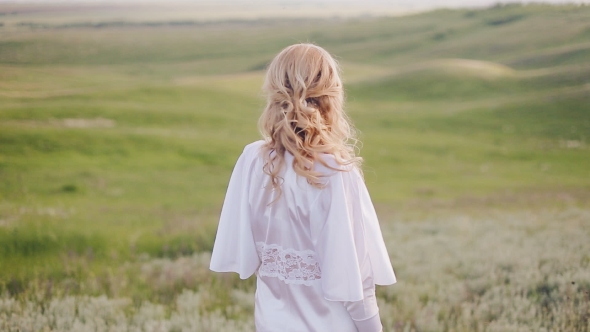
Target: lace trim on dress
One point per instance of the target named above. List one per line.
(289, 265)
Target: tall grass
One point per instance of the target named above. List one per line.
(483, 271)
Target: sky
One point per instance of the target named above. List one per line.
(397, 3)
(251, 9)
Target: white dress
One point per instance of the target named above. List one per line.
(317, 253)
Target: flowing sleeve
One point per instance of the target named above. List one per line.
(234, 249)
(348, 239)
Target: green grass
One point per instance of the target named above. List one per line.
(117, 141)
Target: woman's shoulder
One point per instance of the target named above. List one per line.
(252, 150)
(328, 161)
(254, 146)
(329, 167)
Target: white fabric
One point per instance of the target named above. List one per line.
(289, 265)
(317, 252)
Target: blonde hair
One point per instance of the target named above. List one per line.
(304, 114)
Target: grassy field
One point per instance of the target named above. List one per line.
(117, 139)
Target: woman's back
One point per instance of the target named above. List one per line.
(312, 249)
(289, 265)
(297, 212)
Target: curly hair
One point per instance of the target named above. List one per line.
(304, 114)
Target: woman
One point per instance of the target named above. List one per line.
(297, 212)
